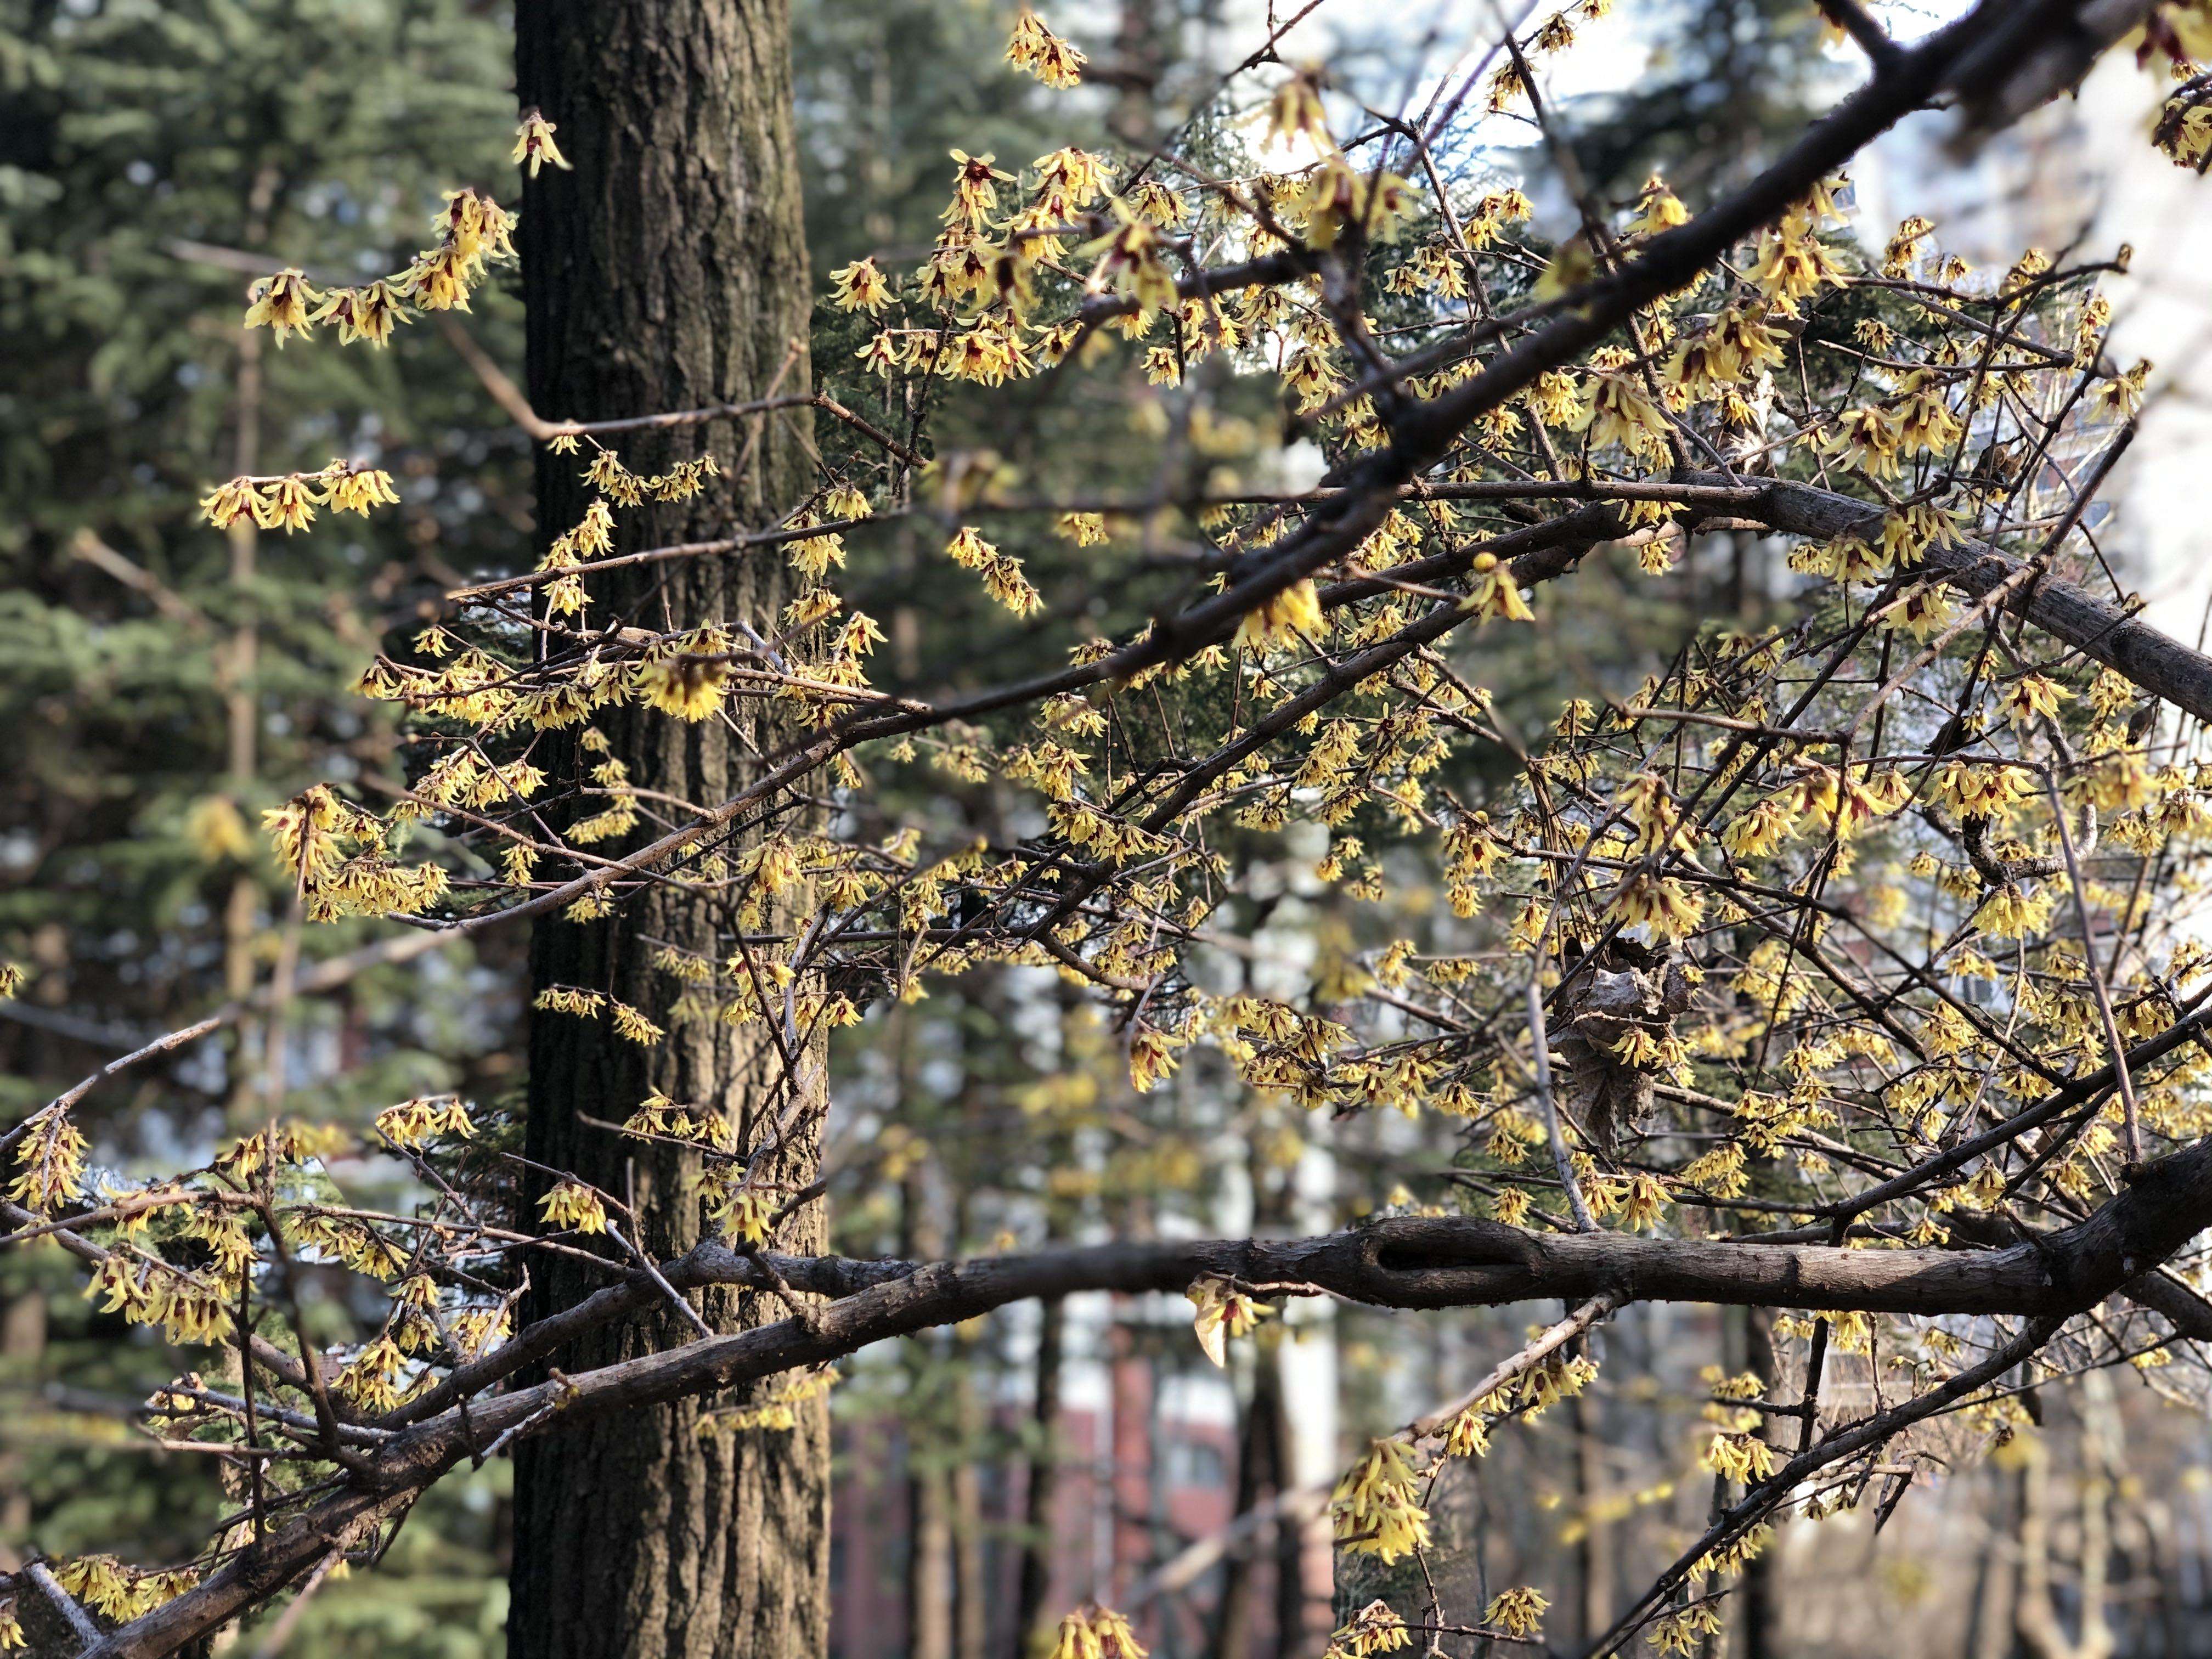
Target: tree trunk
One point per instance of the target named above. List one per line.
(1038, 1505)
(1759, 1617)
(1593, 1552)
(666, 272)
(971, 1625)
(929, 1514)
(929, 1564)
(1261, 1477)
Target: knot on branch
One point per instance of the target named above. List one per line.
(1459, 1256)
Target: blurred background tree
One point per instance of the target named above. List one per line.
(163, 682)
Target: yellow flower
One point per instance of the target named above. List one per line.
(1295, 110)
(1077, 1639)
(1339, 197)
(1757, 833)
(1116, 1639)
(1375, 1506)
(1151, 1057)
(281, 304)
(1684, 1630)
(1069, 181)
(1518, 1611)
(1130, 262)
(748, 1214)
(975, 194)
(1667, 908)
(1982, 791)
(413, 1124)
(1646, 1202)
(362, 313)
(1283, 618)
(1657, 210)
(289, 502)
(1571, 267)
(1867, 437)
(1924, 420)
(1506, 86)
(1095, 1633)
(1223, 1311)
(688, 687)
(1083, 529)
(2009, 913)
(1036, 49)
(356, 490)
(1717, 1174)
(1792, 264)
(1616, 408)
(1374, 1629)
(228, 503)
(51, 1162)
(1743, 1457)
(1898, 258)
(1493, 592)
(1469, 1433)
(2031, 697)
(861, 286)
(2119, 398)
(572, 1204)
(882, 354)
(533, 143)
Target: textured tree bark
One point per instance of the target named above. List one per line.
(666, 272)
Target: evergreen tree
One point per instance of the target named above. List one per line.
(162, 682)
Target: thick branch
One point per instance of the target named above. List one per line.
(2158, 663)
(1407, 1263)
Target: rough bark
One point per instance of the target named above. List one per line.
(666, 272)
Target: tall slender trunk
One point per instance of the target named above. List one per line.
(1594, 1551)
(929, 1564)
(971, 1624)
(666, 272)
(1038, 1504)
(1129, 1383)
(929, 1507)
(1262, 1475)
(1760, 1619)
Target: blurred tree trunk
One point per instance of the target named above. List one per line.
(1043, 1482)
(1263, 1463)
(1135, 72)
(1594, 1549)
(666, 272)
(929, 1507)
(1262, 1475)
(2036, 1613)
(1762, 1607)
(970, 1567)
(929, 1564)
